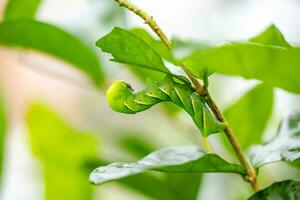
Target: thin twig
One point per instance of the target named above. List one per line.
(148, 20)
(251, 174)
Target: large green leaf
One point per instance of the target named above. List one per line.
(2, 132)
(51, 40)
(63, 153)
(267, 57)
(249, 115)
(284, 146)
(271, 36)
(126, 47)
(183, 47)
(185, 159)
(285, 190)
(276, 66)
(21, 9)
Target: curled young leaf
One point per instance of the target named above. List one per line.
(121, 98)
(182, 159)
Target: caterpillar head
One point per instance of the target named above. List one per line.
(116, 96)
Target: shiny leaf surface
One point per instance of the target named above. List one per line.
(285, 190)
(285, 146)
(174, 159)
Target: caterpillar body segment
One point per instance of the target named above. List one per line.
(116, 96)
(122, 98)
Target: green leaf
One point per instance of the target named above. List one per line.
(63, 153)
(126, 47)
(2, 132)
(135, 145)
(185, 159)
(248, 117)
(271, 36)
(267, 57)
(149, 185)
(169, 185)
(173, 186)
(285, 146)
(21, 9)
(285, 190)
(184, 185)
(51, 40)
(157, 45)
(276, 66)
(144, 73)
(182, 48)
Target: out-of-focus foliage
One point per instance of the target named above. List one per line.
(248, 117)
(19, 29)
(64, 154)
(285, 146)
(112, 15)
(21, 9)
(274, 64)
(169, 187)
(52, 40)
(271, 36)
(2, 132)
(185, 159)
(285, 190)
(183, 47)
(135, 145)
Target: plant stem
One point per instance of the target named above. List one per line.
(206, 144)
(251, 174)
(201, 90)
(148, 20)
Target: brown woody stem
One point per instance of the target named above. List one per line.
(251, 174)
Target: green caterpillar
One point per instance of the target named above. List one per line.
(121, 98)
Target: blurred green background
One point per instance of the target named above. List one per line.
(55, 124)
